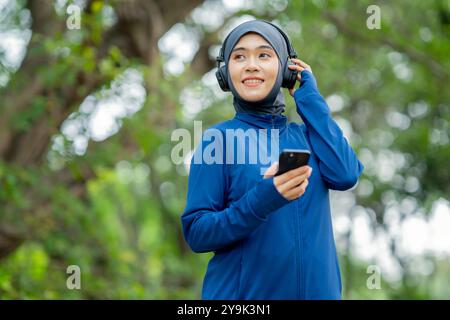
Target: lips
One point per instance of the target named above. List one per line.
(252, 81)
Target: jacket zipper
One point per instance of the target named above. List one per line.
(300, 271)
(297, 251)
(298, 244)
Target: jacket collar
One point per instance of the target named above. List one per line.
(265, 121)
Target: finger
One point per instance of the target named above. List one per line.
(302, 63)
(298, 191)
(299, 77)
(298, 61)
(271, 171)
(294, 182)
(291, 174)
(281, 179)
(299, 68)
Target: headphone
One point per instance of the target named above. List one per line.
(289, 76)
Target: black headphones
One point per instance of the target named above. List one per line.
(289, 76)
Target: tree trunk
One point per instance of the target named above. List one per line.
(139, 26)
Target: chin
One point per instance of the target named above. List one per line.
(254, 97)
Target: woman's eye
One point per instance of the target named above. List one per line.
(261, 55)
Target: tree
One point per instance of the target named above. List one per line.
(113, 208)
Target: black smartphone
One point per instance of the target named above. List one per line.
(291, 159)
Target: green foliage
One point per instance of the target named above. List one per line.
(123, 228)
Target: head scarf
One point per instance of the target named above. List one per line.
(273, 103)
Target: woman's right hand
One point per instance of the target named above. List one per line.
(292, 184)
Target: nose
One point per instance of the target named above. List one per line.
(252, 64)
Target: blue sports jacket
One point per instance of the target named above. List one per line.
(265, 246)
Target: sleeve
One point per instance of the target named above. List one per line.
(209, 223)
(338, 164)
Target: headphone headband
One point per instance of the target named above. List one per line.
(291, 52)
(289, 76)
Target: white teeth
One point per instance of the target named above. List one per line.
(253, 81)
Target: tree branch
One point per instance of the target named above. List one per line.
(434, 66)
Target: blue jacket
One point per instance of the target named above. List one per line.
(265, 246)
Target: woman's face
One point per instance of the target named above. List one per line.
(253, 67)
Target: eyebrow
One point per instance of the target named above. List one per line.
(260, 47)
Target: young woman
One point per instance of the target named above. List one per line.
(272, 236)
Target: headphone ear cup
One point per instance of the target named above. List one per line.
(221, 75)
(289, 76)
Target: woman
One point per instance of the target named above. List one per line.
(272, 237)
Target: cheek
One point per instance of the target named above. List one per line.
(273, 73)
(234, 73)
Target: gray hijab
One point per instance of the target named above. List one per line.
(273, 103)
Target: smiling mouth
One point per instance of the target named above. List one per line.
(252, 82)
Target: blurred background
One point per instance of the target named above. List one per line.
(91, 91)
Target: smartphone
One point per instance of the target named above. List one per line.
(291, 159)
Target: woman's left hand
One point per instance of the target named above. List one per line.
(300, 66)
